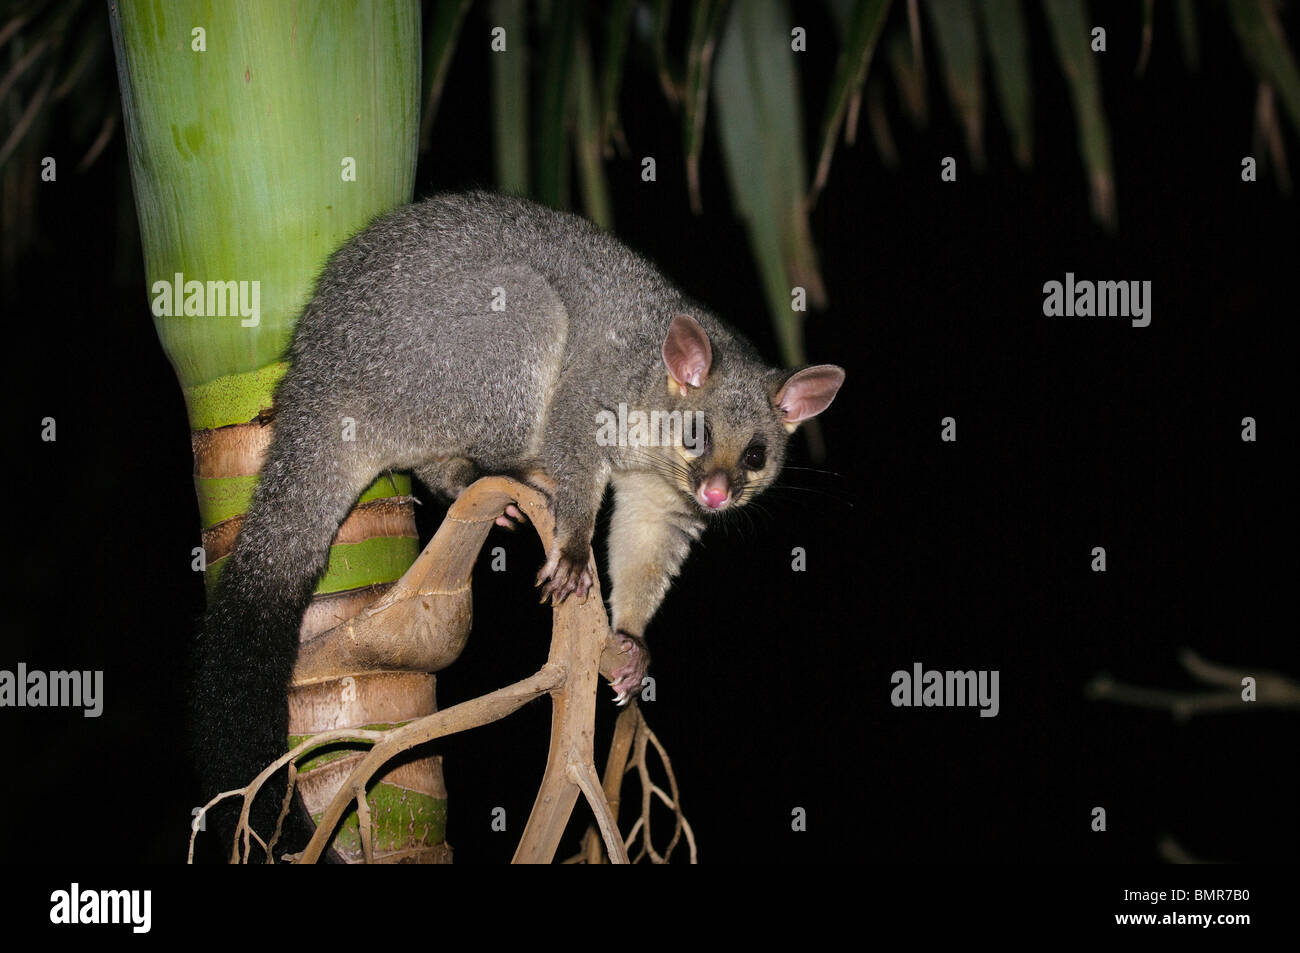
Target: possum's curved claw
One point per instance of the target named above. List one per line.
(563, 575)
(626, 680)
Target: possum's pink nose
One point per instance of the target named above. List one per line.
(715, 491)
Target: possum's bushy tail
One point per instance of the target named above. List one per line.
(249, 638)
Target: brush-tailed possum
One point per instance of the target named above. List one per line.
(481, 334)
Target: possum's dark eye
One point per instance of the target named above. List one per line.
(755, 457)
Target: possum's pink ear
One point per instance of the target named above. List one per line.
(808, 392)
(687, 352)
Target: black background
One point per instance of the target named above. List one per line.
(774, 686)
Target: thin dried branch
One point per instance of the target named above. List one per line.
(23, 63)
(1172, 852)
(1268, 134)
(250, 791)
(585, 777)
(388, 744)
(284, 810)
(627, 753)
(97, 147)
(646, 738)
(363, 823)
(1272, 690)
(28, 117)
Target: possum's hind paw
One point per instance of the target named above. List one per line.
(564, 574)
(626, 679)
(512, 518)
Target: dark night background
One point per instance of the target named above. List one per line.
(774, 686)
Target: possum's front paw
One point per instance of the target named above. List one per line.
(627, 678)
(566, 572)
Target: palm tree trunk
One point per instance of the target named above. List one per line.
(261, 136)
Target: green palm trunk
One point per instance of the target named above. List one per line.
(261, 136)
